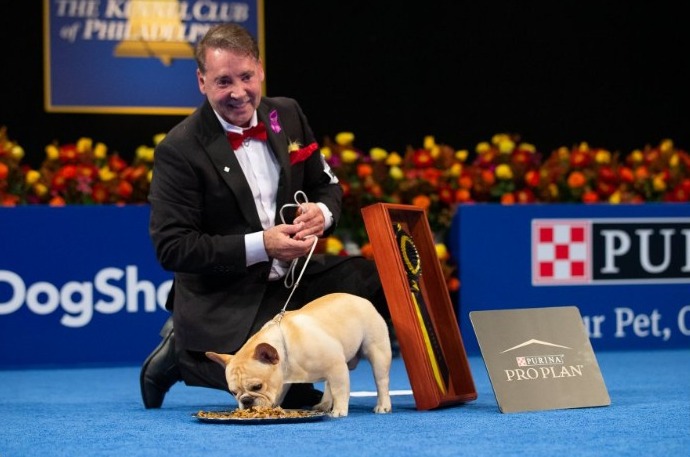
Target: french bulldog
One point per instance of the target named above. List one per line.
(321, 341)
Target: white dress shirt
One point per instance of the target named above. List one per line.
(261, 169)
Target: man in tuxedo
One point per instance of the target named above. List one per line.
(221, 178)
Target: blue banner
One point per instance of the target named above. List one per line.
(79, 285)
(626, 267)
(131, 56)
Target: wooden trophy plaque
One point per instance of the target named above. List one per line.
(420, 306)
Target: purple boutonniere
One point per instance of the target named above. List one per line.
(275, 125)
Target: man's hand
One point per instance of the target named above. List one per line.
(281, 241)
(310, 216)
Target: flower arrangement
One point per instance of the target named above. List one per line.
(504, 170)
(76, 173)
(435, 177)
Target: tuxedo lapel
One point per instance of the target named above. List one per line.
(278, 144)
(224, 160)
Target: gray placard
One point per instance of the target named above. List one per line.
(539, 359)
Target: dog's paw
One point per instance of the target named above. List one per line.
(338, 413)
(324, 406)
(380, 409)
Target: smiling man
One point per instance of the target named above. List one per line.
(221, 179)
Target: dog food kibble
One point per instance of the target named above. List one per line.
(256, 412)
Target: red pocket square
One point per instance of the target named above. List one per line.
(300, 155)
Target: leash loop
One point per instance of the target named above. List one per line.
(290, 282)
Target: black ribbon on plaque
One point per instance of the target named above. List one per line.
(413, 268)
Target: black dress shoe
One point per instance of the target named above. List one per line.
(301, 396)
(159, 371)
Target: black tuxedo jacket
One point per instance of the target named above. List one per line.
(201, 208)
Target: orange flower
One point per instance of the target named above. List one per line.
(626, 174)
(453, 284)
(124, 189)
(590, 197)
(488, 177)
(422, 201)
(57, 201)
(507, 198)
(364, 170)
(367, 251)
(576, 180)
(532, 178)
(465, 181)
(641, 173)
(462, 195)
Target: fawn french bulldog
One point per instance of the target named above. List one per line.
(321, 341)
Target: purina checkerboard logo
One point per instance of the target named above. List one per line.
(610, 251)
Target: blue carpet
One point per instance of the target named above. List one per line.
(98, 412)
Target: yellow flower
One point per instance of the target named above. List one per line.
(345, 138)
(429, 142)
(52, 152)
(506, 146)
(499, 137)
(563, 153)
(442, 251)
(615, 198)
(553, 190)
(503, 171)
(674, 161)
(666, 145)
(149, 175)
(101, 151)
(84, 144)
(17, 152)
(636, 156)
(396, 173)
(455, 169)
(40, 189)
(32, 176)
(145, 153)
(482, 147)
(528, 147)
(584, 146)
(393, 159)
(326, 152)
(158, 138)
(349, 156)
(106, 174)
(602, 156)
(378, 154)
(659, 183)
(333, 245)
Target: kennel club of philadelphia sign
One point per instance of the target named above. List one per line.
(131, 56)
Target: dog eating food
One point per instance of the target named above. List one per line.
(321, 341)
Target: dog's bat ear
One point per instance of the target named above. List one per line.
(221, 359)
(266, 353)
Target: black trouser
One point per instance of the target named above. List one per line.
(356, 275)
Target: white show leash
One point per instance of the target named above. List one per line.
(290, 275)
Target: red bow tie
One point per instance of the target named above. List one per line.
(258, 132)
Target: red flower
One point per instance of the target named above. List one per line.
(422, 158)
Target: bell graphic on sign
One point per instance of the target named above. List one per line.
(155, 30)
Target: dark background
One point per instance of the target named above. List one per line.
(612, 73)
